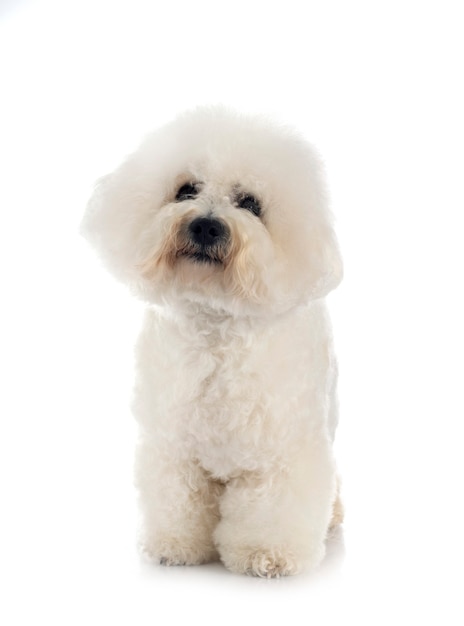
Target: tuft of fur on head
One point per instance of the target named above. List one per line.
(259, 184)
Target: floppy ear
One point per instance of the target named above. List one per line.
(92, 227)
(305, 227)
(102, 224)
(325, 266)
(115, 218)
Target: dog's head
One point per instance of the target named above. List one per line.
(220, 209)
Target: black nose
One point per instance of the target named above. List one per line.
(206, 231)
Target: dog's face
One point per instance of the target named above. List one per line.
(221, 210)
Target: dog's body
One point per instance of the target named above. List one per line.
(220, 223)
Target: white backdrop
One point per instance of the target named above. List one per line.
(377, 87)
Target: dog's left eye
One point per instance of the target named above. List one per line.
(186, 192)
(249, 203)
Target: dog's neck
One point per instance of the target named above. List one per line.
(200, 315)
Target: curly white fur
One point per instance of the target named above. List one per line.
(235, 388)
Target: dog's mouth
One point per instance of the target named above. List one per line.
(204, 256)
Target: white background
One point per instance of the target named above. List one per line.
(378, 88)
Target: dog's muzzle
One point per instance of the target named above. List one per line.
(208, 240)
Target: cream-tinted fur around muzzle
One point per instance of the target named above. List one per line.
(219, 222)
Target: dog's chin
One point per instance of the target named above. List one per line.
(200, 256)
(193, 266)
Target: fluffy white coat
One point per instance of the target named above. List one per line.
(235, 387)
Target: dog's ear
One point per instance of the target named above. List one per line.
(91, 226)
(114, 221)
(325, 266)
(102, 223)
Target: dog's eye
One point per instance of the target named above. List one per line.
(186, 192)
(249, 203)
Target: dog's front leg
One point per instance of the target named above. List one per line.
(179, 506)
(275, 523)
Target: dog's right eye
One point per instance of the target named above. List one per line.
(186, 192)
(249, 203)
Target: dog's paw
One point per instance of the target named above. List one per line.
(172, 560)
(178, 552)
(262, 562)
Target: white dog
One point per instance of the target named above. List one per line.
(219, 222)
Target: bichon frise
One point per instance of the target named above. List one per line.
(220, 223)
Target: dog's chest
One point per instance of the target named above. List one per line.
(229, 381)
(228, 395)
(229, 418)
(238, 415)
